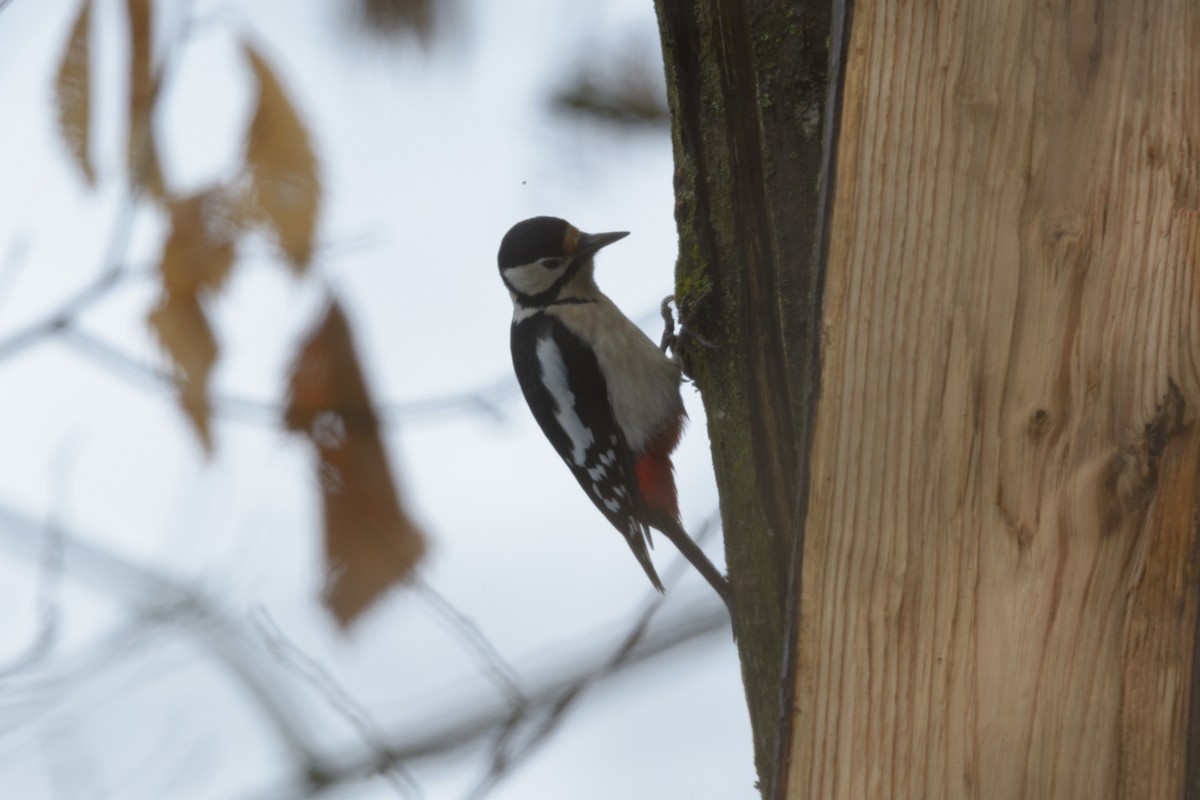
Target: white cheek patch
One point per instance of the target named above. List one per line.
(530, 279)
(554, 378)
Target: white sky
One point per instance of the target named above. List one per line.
(427, 161)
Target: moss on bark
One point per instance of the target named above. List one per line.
(747, 83)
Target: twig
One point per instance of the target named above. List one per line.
(338, 699)
(13, 261)
(112, 269)
(62, 317)
(487, 401)
(500, 671)
(50, 569)
(438, 737)
(505, 760)
(159, 599)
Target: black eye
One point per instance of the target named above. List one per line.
(552, 263)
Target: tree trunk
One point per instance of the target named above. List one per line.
(749, 91)
(957, 447)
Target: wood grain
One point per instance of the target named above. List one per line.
(999, 592)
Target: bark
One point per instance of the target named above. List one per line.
(749, 88)
(957, 448)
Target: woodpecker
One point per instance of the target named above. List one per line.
(603, 393)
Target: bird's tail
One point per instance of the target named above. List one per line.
(638, 540)
(673, 530)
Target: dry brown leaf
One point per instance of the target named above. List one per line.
(181, 327)
(285, 192)
(142, 152)
(200, 248)
(73, 93)
(370, 541)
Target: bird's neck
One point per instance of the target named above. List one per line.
(581, 288)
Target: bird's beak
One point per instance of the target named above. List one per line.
(589, 243)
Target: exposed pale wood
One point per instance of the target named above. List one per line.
(1000, 568)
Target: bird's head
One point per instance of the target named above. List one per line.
(541, 256)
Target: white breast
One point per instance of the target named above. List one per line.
(643, 384)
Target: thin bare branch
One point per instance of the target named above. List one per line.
(50, 569)
(506, 758)
(112, 269)
(494, 664)
(547, 703)
(488, 401)
(338, 699)
(14, 260)
(157, 598)
(64, 315)
(438, 738)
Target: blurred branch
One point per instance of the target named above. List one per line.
(56, 683)
(520, 727)
(625, 105)
(118, 242)
(391, 18)
(165, 601)
(427, 23)
(545, 706)
(505, 758)
(113, 272)
(14, 260)
(50, 569)
(487, 402)
(62, 317)
(337, 697)
(499, 670)
(111, 269)
(624, 89)
(437, 738)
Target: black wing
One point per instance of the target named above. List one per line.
(568, 395)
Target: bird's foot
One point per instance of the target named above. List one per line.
(670, 339)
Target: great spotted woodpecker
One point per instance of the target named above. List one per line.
(605, 396)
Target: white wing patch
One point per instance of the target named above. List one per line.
(554, 378)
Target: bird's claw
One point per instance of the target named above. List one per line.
(670, 340)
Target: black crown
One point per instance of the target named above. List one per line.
(531, 239)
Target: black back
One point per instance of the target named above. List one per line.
(607, 472)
